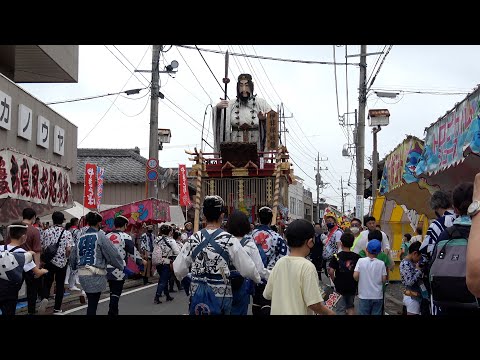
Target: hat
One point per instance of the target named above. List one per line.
(187, 222)
(374, 247)
(149, 227)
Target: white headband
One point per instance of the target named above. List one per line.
(18, 226)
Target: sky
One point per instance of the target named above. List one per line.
(313, 96)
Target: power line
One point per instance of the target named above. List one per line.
(106, 112)
(126, 67)
(336, 93)
(375, 66)
(379, 67)
(97, 96)
(195, 76)
(210, 70)
(178, 107)
(132, 64)
(269, 58)
(146, 103)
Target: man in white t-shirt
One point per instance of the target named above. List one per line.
(293, 283)
(371, 275)
(361, 244)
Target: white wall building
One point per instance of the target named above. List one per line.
(295, 200)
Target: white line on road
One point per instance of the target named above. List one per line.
(108, 299)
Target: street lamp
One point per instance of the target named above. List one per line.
(376, 119)
(164, 136)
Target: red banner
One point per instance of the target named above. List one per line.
(90, 194)
(183, 196)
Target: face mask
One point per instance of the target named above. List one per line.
(330, 226)
(355, 229)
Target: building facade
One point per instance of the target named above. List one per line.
(38, 146)
(125, 176)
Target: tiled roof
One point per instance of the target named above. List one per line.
(121, 165)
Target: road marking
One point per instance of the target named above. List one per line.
(108, 299)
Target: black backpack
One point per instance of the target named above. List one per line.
(448, 273)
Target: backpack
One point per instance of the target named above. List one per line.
(11, 265)
(50, 251)
(448, 273)
(204, 301)
(157, 253)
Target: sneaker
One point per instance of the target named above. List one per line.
(42, 308)
(74, 288)
(169, 298)
(57, 312)
(156, 300)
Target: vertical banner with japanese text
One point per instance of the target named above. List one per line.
(184, 197)
(90, 197)
(100, 177)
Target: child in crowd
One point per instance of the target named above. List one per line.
(341, 269)
(411, 278)
(371, 274)
(293, 283)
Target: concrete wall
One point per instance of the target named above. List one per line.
(10, 138)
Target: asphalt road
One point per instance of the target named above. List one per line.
(139, 301)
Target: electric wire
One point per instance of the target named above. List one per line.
(206, 63)
(106, 112)
(267, 57)
(195, 76)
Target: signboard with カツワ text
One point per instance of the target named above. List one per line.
(58, 140)
(43, 132)
(25, 122)
(25, 178)
(5, 111)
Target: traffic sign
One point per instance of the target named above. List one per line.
(152, 163)
(152, 175)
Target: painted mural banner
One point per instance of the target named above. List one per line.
(25, 178)
(399, 181)
(148, 211)
(455, 135)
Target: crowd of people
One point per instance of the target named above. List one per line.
(229, 265)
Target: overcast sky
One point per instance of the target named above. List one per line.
(309, 91)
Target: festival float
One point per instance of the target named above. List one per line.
(452, 146)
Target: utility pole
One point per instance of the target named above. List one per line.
(319, 182)
(281, 116)
(153, 144)
(375, 164)
(360, 141)
(344, 195)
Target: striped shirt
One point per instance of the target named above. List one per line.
(434, 231)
